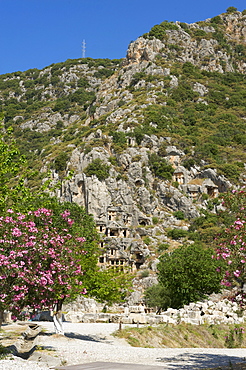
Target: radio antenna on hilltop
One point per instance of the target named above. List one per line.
(83, 49)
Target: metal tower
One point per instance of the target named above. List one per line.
(83, 49)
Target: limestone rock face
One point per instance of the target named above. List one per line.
(174, 199)
(203, 53)
(222, 183)
(143, 50)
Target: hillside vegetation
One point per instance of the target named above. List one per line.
(146, 144)
(198, 101)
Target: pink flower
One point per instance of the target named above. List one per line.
(237, 273)
(83, 240)
(21, 217)
(9, 220)
(16, 232)
(65, 214)
(70, 222)
(225, 283)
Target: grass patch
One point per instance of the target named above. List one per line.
(185, 336)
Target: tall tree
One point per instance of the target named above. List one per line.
(12, 176)
(189, 274)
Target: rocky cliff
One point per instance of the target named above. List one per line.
(149, 141)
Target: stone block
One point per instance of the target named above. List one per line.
(136, 309)
(225, 309)
(138, 318)
(90, 317)
(104, 317)
(192, 305)
(151, 320)
(115, 318)
(126, 320)
(74, 317)
(204, 307)
(158, 319)
(165, 318)
(194, 315)
(195, 321)
(172, 321)
(172, 311)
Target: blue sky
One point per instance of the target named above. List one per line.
(37, 33)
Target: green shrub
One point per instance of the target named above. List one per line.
(179, 215)
(144, 273)
(137, 77)
(189, 273)
(155, 220)
(162, 150)
(163, 247)
(81, 96)
(157, 296)
(61, 105)
(60, 162)
(147, 240)
(205, 196)
(183, 92)
(230, 170)
(169, 25)
(113, 160)
(184, 26)
(160, 167)
(29, 84)
(83, 82)
(188, 68)
(139, 134)
(177, 233)
(121, 103)
(156, 114)
(175, 184)
(199, 33)
(103, 73)
(158, 32)
(216, 20)
(119, 137)
(231, 9)
(98, 168)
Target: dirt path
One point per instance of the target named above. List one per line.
(90, 343)
(86, 343)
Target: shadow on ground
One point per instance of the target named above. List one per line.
(200, 361)
(88, 338)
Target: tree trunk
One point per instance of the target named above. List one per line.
(1, 317)
(57, 318)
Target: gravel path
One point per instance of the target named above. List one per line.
(84, 343)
